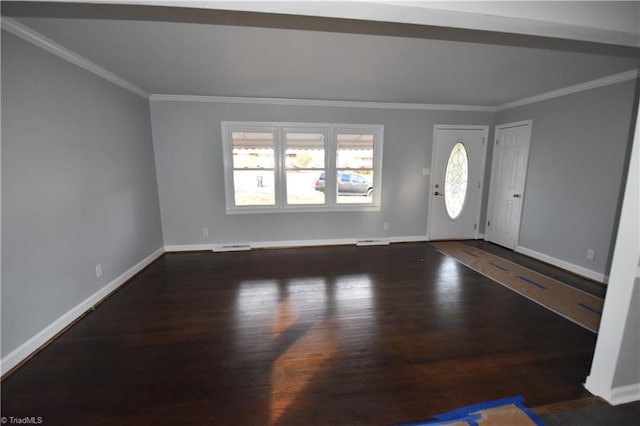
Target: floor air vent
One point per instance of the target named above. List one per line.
(232, 247)
(373, 242)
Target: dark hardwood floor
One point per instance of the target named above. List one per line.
(313, 336)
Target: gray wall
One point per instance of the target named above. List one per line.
(576, 168)
(78, 187)
(188, 149)
(577, 158)
(79, 181)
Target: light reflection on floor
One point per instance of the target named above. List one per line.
(283, 305)
(447, 283)
(448, 267)
(255, 304)
(298, 292)
(354, 293)
(303, 360)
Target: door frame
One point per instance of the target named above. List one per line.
(492, 179)
(483, 162)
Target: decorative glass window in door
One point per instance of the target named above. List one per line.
(456, 180)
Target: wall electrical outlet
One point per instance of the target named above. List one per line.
(205, 232)
(98, 270)
(591, 254)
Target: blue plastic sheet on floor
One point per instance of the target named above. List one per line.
(472, 416)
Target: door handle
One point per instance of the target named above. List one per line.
(437, 193)
(516, 195)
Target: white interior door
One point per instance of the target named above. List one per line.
(457, 167)
(508, 175)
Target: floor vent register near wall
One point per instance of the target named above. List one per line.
(231, 247)
(373, 242)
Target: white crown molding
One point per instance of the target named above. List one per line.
(589, 85)
(45, 43)
(49, 45)
(322, 103)
(594, 84)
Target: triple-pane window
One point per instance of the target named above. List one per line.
(273, 167)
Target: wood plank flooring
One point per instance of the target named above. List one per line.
(313, 336)
(585, 284)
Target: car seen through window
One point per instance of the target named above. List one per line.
(348, 184)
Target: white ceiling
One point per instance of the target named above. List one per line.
(198, 52)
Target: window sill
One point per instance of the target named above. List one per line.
(309, 209)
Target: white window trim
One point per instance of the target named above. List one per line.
(331, 130)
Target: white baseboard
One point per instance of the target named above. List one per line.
(292, 243)
(408, 239)
(32, 345)
(588, 273)
(188, 247)
(303, 243)
(615, 396)
(625, 394)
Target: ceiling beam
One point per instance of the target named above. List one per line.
(356, 17)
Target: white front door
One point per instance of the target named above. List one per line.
(508, 175)
(457, 167)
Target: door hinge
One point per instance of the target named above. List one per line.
(496, 141)
(482, 141)
(475, 226)
(489, 224)
(478, 185)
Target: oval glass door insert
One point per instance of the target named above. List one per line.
(455, 180)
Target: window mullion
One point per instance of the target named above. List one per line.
(281, 173)
(227, 149)
(330, 166)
